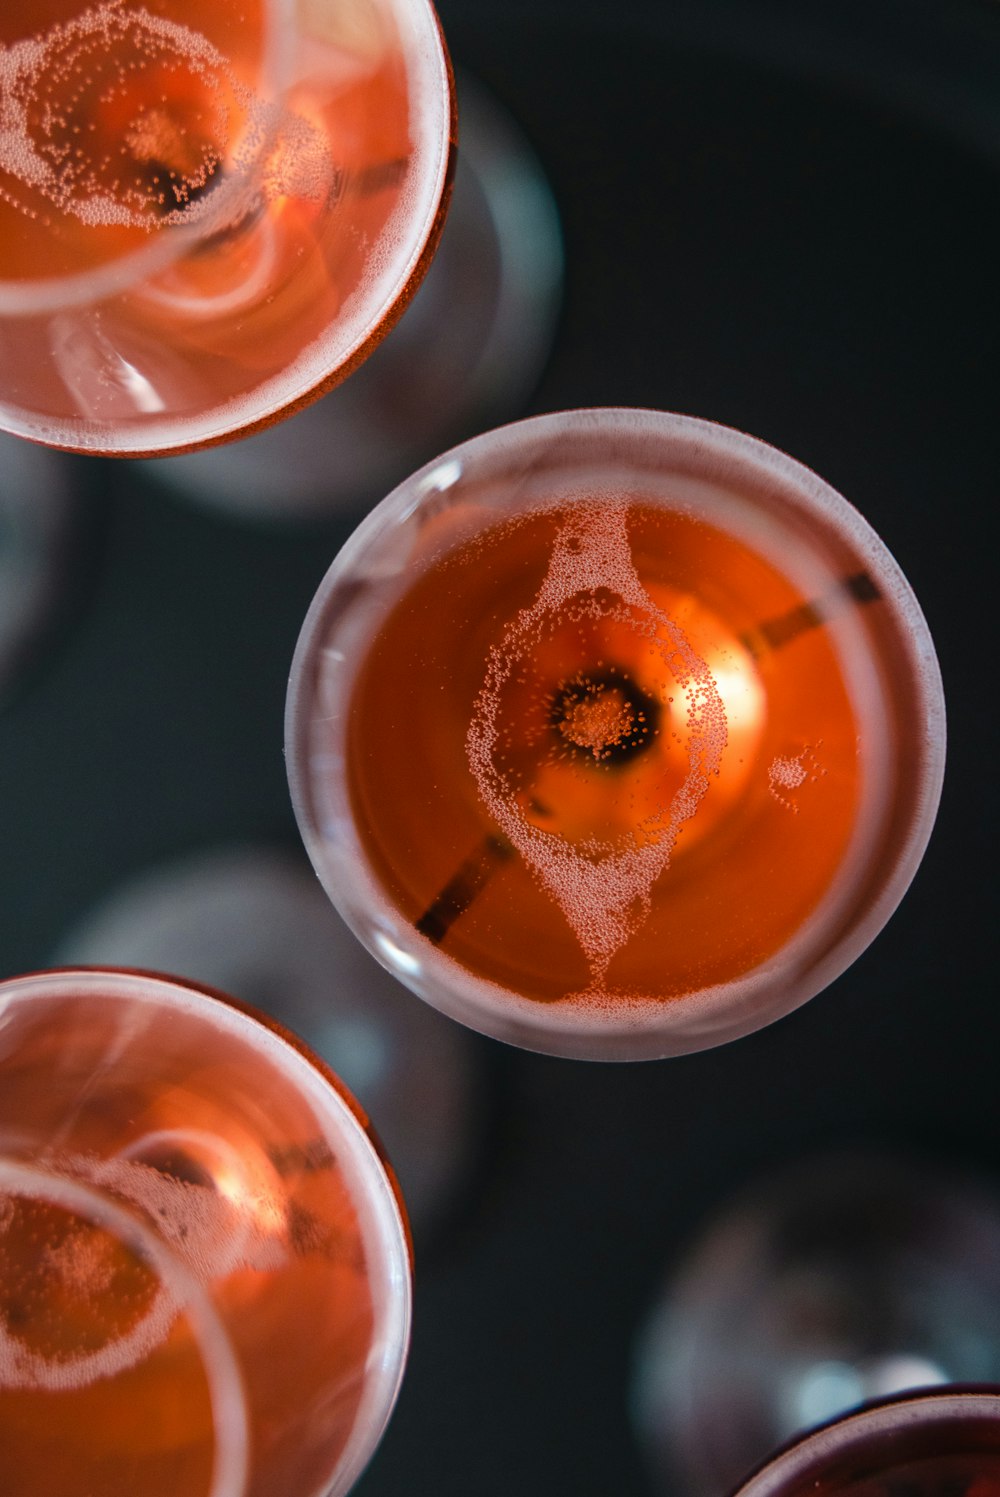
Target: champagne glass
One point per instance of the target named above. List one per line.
(839, 1279)
(925, 1445)
(209, 212)
(204, 1262)
(615, 734)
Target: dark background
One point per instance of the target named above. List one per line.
(782, 217)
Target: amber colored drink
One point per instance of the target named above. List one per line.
(619, 726)
(677, 793)
(203, 1267)
(207, 211)
(943, 1443)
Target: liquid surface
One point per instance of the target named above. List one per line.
(298, 148)
(606, 751)
(930, 1457)
(206, 1142)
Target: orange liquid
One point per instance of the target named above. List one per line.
(606, 750)
(140, 122)
(228, 1162)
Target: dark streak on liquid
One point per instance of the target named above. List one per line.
(468, 880)
(774, 633)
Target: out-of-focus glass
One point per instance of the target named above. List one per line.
(36, 523)
(466, 353)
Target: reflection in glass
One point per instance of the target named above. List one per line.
(210, 212)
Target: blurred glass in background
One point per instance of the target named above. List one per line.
(841, 1279)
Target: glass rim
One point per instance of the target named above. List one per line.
(389, 1221)
(969, 1401)
(650, 1029)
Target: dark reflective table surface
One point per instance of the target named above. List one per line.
(782, 218)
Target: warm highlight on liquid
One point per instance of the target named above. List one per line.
(103, 1381)
(632, 732)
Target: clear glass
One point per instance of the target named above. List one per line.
(204, 1262)
(924, 1445)
(615, 734)
(839, 1279)
(209, 212)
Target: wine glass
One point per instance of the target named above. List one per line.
(924, 1445)
(204, 1261)
(209, 212)
(254, 922)
(615, 734)
(839, 1279)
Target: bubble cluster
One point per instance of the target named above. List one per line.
(602, 885)
(121, 118)
(596, 718)
(60, 1269)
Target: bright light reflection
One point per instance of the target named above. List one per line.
(398, 959)
(825, 1390)
(831, 1388)
(442, 477)
(742, 694)
(142, 392)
